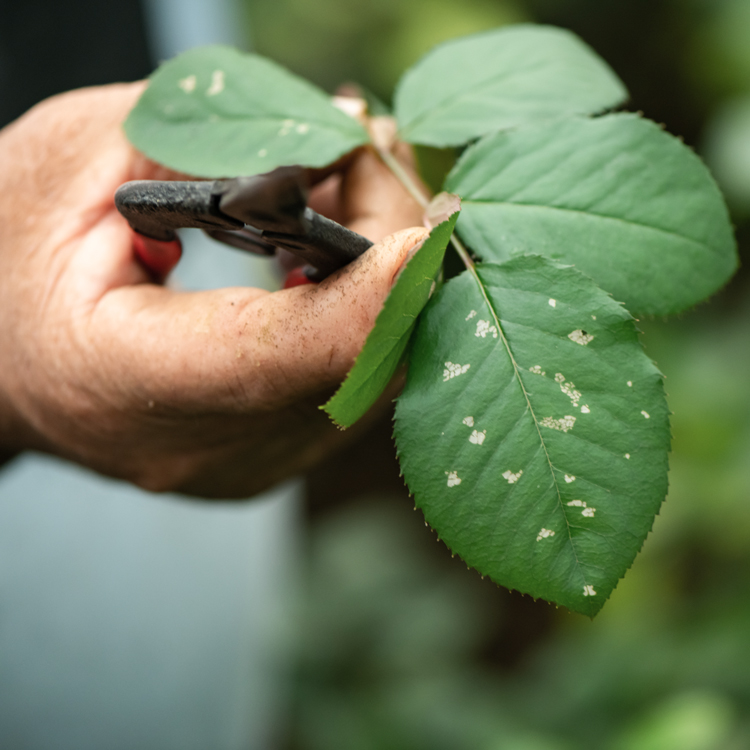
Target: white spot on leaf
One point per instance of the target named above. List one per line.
(537, 370)
(471, 315)
(188, 84)
(552, 302)
(585, 409)
(630, 383)
(263, 152)
(469, 421)
(589, 591)
(453, 371)
(477, 437)
(544, 534)
(286, 127)
(302, 128)
(646, 414)
(512, 478)
(217, 83)
(569, 478)
(453, 478)
(563, 425)
(588, 512)
(580, 337)
(568, 389)
(593, 317)
(484, 327)
(627, 455)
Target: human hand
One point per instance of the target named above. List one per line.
(208, 393)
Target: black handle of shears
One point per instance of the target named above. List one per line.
(257, 214)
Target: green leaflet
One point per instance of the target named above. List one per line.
(216, 112)
(383, 350)
(533, 430)
(628, 204)
(511, 76)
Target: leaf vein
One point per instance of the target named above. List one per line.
(594, 215)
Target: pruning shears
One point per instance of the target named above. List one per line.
(257, 214)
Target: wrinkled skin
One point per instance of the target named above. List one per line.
(209, 393)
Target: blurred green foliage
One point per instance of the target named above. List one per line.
(402, 647)
(370, 42)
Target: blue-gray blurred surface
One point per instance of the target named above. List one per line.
(129, 620)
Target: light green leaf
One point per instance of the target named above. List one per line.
(499, 79)
(627, 203)
(216, 112)
(533, 430)
(385, 346)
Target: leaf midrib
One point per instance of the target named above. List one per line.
(267, 118)
(594, 215)
(517, 373)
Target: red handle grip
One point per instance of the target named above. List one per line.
(158, 257)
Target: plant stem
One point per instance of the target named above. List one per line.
(413, 189)
(402, 176)
(463, 253)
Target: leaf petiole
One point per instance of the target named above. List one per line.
(400, 173)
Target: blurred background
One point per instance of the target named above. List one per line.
(387, 641)
(401, 646)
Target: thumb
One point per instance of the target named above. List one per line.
(241, 349)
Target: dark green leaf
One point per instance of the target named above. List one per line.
(627, 203)
(533, 430)
(383, 350)
(216, 112)
(499, 79)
